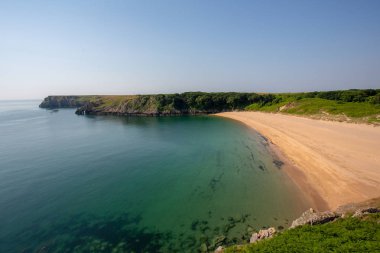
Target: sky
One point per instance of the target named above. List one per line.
(172, 46)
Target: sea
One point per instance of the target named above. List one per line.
(81, 183)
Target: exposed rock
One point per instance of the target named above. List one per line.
(254, 238)
(363, 211)
(151, 105)
(88, 108)
(53, 102)
(262, 234)
(311, 217)
(220, 249)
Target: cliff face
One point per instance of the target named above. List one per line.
(150, 105)
(155, 105)
(52, 102)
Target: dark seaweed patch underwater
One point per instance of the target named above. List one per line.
(122, 233)
(89, 233)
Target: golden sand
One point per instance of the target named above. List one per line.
(338, 161)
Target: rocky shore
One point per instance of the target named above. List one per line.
(157, 105)
(93, 108)
(54, 102)
(312, 217)
(149, 105)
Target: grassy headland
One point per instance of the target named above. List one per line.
(185, 103)
(345, 105)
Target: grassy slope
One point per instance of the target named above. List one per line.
(323, 107)
(348, 105)
(143, 103)
(343, 235)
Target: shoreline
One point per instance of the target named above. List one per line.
(332, 163)
(297, 176)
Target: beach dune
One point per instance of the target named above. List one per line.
(335, 163)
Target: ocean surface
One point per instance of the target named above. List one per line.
(72, 183)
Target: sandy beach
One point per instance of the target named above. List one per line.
(335, 163)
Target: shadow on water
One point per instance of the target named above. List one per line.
(150, 121)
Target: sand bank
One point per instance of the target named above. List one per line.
(339, 161)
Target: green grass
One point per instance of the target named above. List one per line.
(345, 105)
(318, 106)
(110, 101)
(343, 235)
(267, 108)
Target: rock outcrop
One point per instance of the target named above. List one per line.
(159, 104)
(262, 234)
(87, 108)
(312, 217)
(139, 105)
(363, 211)
(53, 102)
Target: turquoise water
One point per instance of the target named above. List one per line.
(72, 183)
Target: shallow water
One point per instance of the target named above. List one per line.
(73, 183)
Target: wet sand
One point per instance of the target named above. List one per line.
(334, 163)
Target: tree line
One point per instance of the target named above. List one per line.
(201, 101)
(227, 101)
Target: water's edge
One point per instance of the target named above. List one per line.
(294, 172)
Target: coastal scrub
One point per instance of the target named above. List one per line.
(352, 234)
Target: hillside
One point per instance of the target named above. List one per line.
(160, 104)
(346, 105)
(349, 105)
(351, 228)
(353, 234)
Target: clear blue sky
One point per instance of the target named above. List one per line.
(162, 46)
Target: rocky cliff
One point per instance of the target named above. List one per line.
(52, 102)
(156, 105)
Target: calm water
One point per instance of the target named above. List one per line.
(73, 183)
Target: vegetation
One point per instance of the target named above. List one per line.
(357, 104)
(199, 101)
(337, 105)
(344, 235)
(182, 103)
